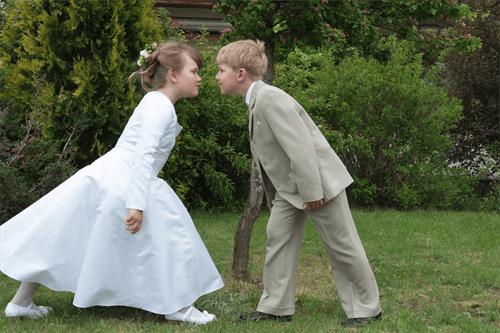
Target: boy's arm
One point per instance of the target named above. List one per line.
(314, 204)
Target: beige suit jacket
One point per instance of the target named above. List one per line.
(292, 155)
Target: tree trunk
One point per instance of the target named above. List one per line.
(244, 232)
(269, 75)
(255, 197)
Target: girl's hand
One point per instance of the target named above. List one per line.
(134, 220)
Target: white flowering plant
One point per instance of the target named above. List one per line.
(144, 54)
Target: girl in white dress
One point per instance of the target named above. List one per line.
(74, 238)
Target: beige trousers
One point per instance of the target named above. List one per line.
(356, 285)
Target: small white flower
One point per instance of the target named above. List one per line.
(143, 55)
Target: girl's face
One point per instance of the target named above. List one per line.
(188, 79)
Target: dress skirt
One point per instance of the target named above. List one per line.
(74, 239)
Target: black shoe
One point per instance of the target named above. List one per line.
(355, 322)
(258, 316)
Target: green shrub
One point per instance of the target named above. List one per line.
(388, 123)
(491, 202)
(64, 95)
(31, 167)
(474, 77)
(86, 49)
(85, 52)
(210, 165)
(2, 11)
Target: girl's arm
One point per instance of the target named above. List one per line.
(156, 115)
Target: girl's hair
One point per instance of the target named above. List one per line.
(245, 54)
(168, 55)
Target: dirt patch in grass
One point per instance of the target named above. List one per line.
(315, 277)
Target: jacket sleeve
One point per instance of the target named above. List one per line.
(154, 122)
(283, 115)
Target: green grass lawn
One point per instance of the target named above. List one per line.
(436, 271)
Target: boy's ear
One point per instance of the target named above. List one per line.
(242, 74)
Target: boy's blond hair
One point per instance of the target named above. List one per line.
(245, 54)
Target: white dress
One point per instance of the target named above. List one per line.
(74, 239)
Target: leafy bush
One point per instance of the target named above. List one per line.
(210, 165)
(475, 79)
(388, 123)
(86, 49)
(491, 201)
(2, 11)
(31, 167)
(64, 95)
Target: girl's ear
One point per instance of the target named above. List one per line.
(172, 75)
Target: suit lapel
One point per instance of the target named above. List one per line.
(253, 99)
(250, 121)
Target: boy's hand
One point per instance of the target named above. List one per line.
(314, 204)
(134, 220)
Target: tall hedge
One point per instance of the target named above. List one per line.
(475, 79)
(210, 163)
(389, 123)
(86, 50)
(64, 96)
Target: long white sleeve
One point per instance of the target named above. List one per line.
(156, 118)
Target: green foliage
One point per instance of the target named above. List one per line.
(64, 95)
(2, 11)
(86, 49)
(364, 192)
(13, 202)
(343, 24)
(475, 79)
(209, 166)
(433, 185)
(170, 29)
(31, 167)
(491, 202)
(388, 123)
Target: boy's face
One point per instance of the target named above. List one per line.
(228, 80)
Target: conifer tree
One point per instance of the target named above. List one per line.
(86, 50)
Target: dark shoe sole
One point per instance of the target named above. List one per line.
(261, 316)
(356, 322)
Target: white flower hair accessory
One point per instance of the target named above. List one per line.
(144, 54)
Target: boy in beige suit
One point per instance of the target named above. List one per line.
(302, 177)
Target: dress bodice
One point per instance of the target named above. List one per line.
(150, 134)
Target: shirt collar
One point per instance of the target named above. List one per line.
(249, 93)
